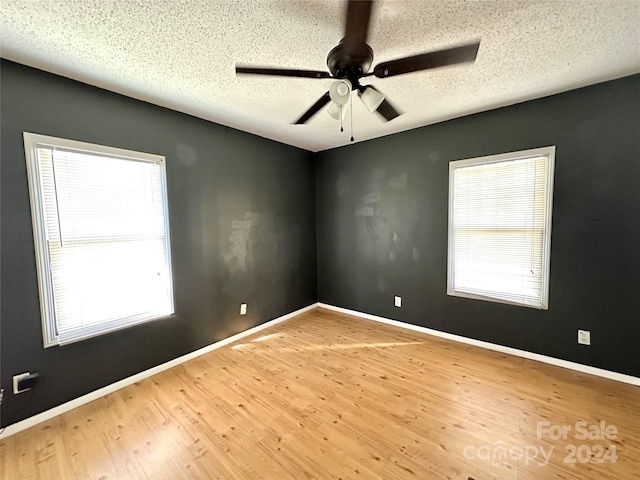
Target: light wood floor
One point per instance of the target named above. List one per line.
(328, 396)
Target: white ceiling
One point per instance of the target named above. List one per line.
(181, 55)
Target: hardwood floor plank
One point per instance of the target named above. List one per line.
(330, 396)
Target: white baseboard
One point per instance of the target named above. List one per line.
(89, 397)
(620, 377)
(101, 392)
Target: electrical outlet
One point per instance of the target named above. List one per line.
(584, 337)
(243, 309)
(16, 379)
(397, 301)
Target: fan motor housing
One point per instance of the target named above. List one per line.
(350, 59)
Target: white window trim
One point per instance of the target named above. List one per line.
(32, 142)
(549, 152)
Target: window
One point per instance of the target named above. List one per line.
(101, 236)
(500, 227)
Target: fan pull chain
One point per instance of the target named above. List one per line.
(351, 109)
(341, 129)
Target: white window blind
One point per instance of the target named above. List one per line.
(500, 227)
(101, 232)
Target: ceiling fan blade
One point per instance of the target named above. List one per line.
(315, 108)
(387, 110)
(425, 61)
(282, 72)
(358, 18)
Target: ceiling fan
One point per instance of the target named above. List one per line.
(351, 60)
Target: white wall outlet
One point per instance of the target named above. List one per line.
(584, 337)
(243, 309)
(16, 379)
(397, 301)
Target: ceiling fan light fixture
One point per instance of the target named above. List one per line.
(340, 91)
(337, 111)
(371, 98)
(351, 59)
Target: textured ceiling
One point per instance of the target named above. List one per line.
(181, 54)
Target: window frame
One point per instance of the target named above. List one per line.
(549, 153)
(32, 142)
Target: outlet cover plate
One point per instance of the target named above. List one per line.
(397, 301)
(16, 379)
(243, 309)
(584, 337)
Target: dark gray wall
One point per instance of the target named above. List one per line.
(363, 261)
(234, 199)
(233, 195)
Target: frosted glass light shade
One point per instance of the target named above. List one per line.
(371, 98)
(337, 111)
(340, 91)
